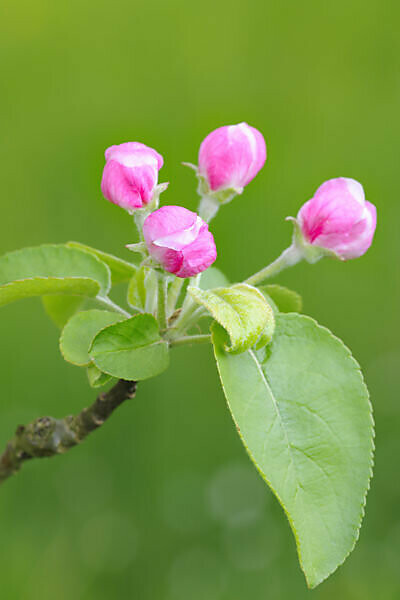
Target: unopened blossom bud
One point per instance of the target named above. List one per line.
(338, 218)
(179, 240)
(231, 156)
(130, 174)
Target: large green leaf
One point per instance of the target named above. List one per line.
(52, 269)
(285, 300)
(131, 350)
(121, 270)
(242, 310)
(78, 334)
(302, 410)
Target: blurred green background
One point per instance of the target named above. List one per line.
(162, 503)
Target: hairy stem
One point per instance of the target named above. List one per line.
(48, 436)
(288, 258)
(192, 339)
(185, 320)
(161, 302)
(139, 217)
(173, 295)
(105, 301)
(208, 208)
(189, 306)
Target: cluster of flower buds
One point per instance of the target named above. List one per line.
(337, 221)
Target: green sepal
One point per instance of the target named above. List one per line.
(309, 252)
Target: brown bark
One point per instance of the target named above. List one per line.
(47, 436)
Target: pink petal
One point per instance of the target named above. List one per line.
(231, 156)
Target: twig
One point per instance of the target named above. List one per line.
(47, 436)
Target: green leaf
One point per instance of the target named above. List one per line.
(212, 278)
(242, 310)
(302, 410)
(285, 300)
(131, 350)
(96, 377)
(52, 269)
(78, 334)
(61, 308)
(143, 282)
(121, 270)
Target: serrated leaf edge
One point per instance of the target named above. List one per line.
(61, 339)
(310, 583)
(159, 341)
(196, 295)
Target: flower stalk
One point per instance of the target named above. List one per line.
(110, 305)
(173, 295)
(288, 258)
(161, 301)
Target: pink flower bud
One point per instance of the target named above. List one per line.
(180, 240)
(130, 174)
(339, 218)
(231, 156)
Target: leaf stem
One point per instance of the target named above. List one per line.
(185, 318)
(288, 258)
(191, 339)
(108, 303)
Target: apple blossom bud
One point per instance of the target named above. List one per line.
(130, 175)
(179, 240)
(339, 219)
(231, 156)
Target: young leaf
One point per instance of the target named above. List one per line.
(242, 310)
(285, 300)
(302, 410)
(121, 270)
(131, 350)
(142, 283)
(212, 278)
(61, 308)
(96, 377)
(51, 270)
(80, 331)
